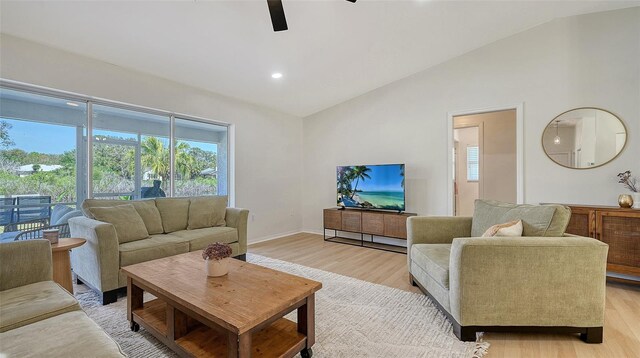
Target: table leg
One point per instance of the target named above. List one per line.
(306, 324)
(176, 323)
(62, 269)
(134, 301)
(239, 346)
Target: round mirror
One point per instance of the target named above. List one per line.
(584, 138)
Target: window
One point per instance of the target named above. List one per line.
(200, 158)
(41, 150)
(473, 164)
(44, 158)
(130, 154)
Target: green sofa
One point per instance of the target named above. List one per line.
(162, 227)
(38, 318)
(543, 281)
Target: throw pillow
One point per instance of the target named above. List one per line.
(126, 220)
(150, 215)
(174, 213)
(89, 204)
(512, 228)
(208, 211)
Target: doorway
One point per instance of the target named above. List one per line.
(485, 159)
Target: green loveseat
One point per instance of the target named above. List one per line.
(166, 228)
(38, 318)
(543, 281)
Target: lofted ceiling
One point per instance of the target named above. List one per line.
(333, 50)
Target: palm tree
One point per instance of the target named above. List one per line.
(344, 181)
(402, 174)
(155, 157)
(359, 172)
(185, 162)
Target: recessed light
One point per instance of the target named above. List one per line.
(276, 75)
(72, 104)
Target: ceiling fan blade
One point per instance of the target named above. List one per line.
(352, 0)
(278, 20)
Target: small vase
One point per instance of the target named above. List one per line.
(217, 268)
(625, 201)
(636, 200)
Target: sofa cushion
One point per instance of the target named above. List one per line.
(154, 247)
(434, 260)
(560, 221)
(536, 219)
(24, 305)
(89, 204)
(150, 215)
(128, 223)
(207, 211)
(174, 213)
(198, 239)
(72, 334)
(145, 208)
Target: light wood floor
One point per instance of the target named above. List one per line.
(622, 318)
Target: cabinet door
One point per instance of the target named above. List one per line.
(582, 222)
(373, 223)
(351, 221)
(395, 225)
(621, 231)
(332, 219)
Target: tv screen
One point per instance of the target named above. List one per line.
(371, 186)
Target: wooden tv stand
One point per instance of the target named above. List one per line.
(367, 222)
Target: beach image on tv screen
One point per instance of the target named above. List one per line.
(371, 186)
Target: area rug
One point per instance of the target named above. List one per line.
(354, 318)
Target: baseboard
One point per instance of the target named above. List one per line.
(273, 237)
(312, 231)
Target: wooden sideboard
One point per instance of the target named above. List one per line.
(617, 227)
(372, 223)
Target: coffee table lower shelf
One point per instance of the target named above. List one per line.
(280, 339)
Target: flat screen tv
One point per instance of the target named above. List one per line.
(371, 186)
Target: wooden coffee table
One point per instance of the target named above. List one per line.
(240, 314)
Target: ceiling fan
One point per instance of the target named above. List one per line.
(278, 20)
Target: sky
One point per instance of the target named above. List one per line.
(383, 178)
(57, 139)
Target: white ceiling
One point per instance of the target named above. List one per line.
(333, 51)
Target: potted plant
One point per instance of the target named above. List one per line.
(216, 257)
(630, 183)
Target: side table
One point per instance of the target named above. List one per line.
(62, 263)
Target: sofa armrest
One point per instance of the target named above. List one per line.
(238, 218)
(528, 281)
(97, 262)
(24, 262)
(435, 230)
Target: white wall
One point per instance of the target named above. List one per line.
(268, 144)
(588, 60)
